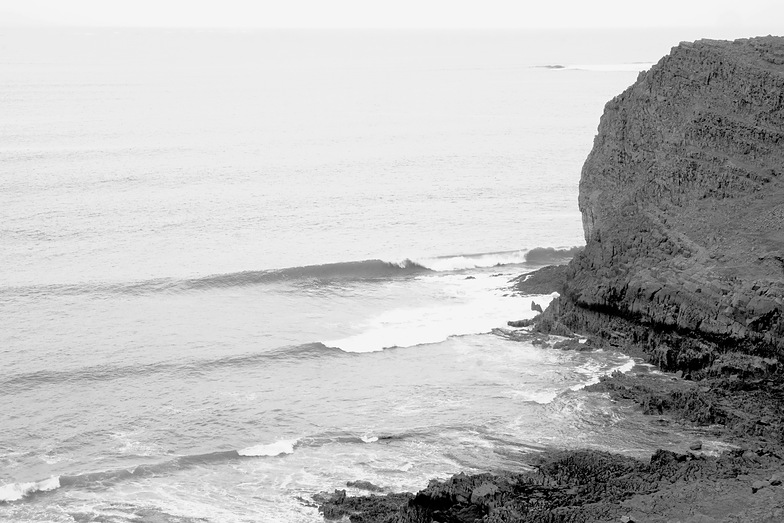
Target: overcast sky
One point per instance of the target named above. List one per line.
(765, 14)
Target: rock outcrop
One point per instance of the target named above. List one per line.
(589, 486)
(682, 199)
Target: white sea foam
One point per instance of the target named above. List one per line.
(714, 448)
(542, 397)
(626, 367)
(369, 439)
(16, 491)
(424, 325)
(594, 372)
(277, 448)
(472, 261)
(473, 306)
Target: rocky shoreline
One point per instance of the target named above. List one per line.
(743, 483)
(682, 198)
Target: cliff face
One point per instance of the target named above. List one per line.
(682, 199)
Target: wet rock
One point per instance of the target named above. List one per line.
(750, 456)
(521, 323)
(582, 486)
(573, 344)
(364, 485)
(536, 307)
(543, 281)
(361, 509)
(695, 445)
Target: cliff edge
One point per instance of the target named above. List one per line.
(682, 199)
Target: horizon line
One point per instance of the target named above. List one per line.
(390, 28)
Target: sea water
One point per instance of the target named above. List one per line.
(240, 268)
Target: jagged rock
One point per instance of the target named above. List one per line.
(522, 323)
(360, 509)
(582, 486)
(543, 281)
(536, 307)
(364, 485)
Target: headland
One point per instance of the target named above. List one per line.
(682, 199)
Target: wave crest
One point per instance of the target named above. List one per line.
(17, 491)
(326, 273)
(461, 262)
(271, 449)
(310, 275)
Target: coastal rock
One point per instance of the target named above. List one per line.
(583, 486)
(521, 323)
(682, 199)
(543, 281)
(338, 506)
(364, 485)
(536, 307)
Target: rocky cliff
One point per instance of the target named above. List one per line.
(682, 199)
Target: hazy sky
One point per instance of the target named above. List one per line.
(765, 14)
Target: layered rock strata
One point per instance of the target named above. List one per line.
(682, 199)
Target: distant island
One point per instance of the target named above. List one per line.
(682, 198)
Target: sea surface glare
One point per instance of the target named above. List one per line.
(243, 267)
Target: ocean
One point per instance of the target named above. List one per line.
(244, 267)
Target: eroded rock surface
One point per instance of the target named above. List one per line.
(682, 200)
(583, 486)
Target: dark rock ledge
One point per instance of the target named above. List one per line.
(682, 200)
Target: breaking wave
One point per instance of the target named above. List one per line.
(270, 449)
(277, 449)
(310, 275)
(306, 275)
(536, 256)
(327, 273)
(413, 327)
(17, 491)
